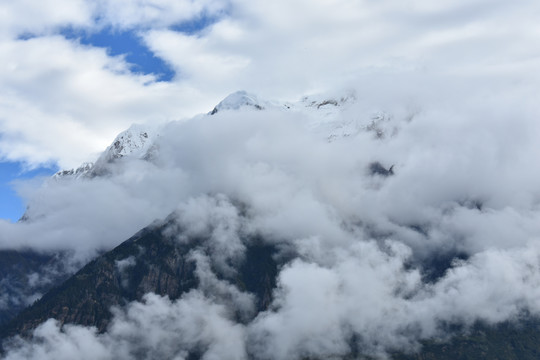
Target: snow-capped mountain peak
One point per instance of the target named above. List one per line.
(135, 142)
(238, 100)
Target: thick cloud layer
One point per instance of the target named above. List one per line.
(462, 183)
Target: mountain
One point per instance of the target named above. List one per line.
(25, 276)
(506, 341)
(135, 142)
(139, 141)
(151, 261)
(316, 229)
(81, 171)
(240, 100)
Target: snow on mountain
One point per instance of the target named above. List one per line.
(327, 105)
(135, 142)
(325, 111)
(79, 172)
(138, 141)
(379, 123)
(329, 116)
(240, 100)
(342, 115)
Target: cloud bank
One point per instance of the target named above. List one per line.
(462, 186)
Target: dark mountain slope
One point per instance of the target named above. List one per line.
(506, 341)
(148, 262)
(158, 260)
(24, 275)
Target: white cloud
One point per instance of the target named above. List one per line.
(368, 295)
(155, 13)
(30, 17)
(364, 295)
(65, 102)
(272, 162)
(155, 328)
(298, 46)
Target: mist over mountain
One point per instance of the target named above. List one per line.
(382, 221)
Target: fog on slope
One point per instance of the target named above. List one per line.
(462, 182)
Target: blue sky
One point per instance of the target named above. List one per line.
(128, 44)
(12, 206)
